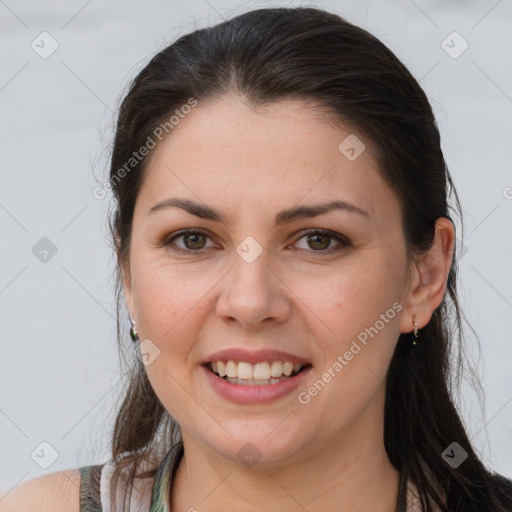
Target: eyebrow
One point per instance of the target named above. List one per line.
(282, 217)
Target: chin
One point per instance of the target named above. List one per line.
(258, 445)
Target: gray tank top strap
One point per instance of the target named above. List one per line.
(90, 496)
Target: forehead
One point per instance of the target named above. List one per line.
(224, 152)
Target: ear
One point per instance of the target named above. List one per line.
(429, 277)
(126, 280)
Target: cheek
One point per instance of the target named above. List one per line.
(167, 303)
(169, 308)
(362, 312)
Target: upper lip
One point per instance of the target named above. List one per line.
(255, 356)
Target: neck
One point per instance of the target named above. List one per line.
(350, 473)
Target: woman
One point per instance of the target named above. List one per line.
(287, 258)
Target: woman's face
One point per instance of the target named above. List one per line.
(256, 287)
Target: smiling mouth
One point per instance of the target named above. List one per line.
(259, 374)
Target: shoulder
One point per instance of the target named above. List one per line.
(59, 491)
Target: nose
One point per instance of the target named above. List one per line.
(253, 294)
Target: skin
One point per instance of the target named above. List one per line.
(250, 164)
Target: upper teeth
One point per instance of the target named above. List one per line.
(258, 371)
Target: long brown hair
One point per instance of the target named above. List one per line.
(309, 54)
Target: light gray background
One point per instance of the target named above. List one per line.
(59, 365)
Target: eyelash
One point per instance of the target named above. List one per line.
(344, 242)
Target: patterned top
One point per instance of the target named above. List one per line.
(109, 488)
(105, 488)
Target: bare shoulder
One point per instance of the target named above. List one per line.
(59, 491)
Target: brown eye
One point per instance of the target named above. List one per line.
(193, 241)
(196, 240)
(320, 240)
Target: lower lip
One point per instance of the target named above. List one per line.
(243, 394)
